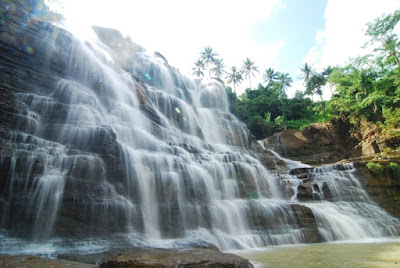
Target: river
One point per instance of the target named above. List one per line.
(372, 253)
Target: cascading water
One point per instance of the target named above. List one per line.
(107, 153)
(350, 214)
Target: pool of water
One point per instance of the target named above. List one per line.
(372, 253)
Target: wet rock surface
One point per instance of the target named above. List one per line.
(205, 255)
(385, 191)
(174, 258)
(152, 257)
(30, 261)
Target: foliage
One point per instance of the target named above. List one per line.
(314, 84)
(234, 77)
(368, 87)
(307, 72)
(394, 170)
(218, 69)
(249, 69)
(285, 80)
(390, 170)
(199, 68)
(267, 109)
(381, 31)
(391, 126)
(208, 57)
(270, 75)
(375, 168)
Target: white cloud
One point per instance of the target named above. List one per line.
(345, 30)
(180, 29)
(344, 34)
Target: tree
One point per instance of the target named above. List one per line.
(208, 57)
(249, 68)
(307, 71)
(327, 73)
(285, 80)
(270, 75)
(218, 68)
(389, 46)
(381, 31)
(234, 77)
(315, 84)
(198, 69)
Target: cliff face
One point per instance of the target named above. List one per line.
(87, 151)
(328, 143)
(325, 143)
(384, 189)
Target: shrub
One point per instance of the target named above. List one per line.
(375, 168)
(394, 170)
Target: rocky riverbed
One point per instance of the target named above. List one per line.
(132, 257)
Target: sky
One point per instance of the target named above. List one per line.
(282, 34)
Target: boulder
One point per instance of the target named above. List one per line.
(146, 257)
(371, 140)
(307, 221)
(316, 144)
(174, 258)
(320, 143)
(30, 261)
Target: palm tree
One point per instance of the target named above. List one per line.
(315, 85)
(198, 69)
(234, 77)
(389, 46)
(218, 68)
(284, 80)
(249, 69)
(326, 73)
(208, 57)
(307, 71)
(270, 75)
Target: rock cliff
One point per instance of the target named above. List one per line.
(330, 142)
(338, 141)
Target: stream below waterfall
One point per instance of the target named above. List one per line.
(363, 253)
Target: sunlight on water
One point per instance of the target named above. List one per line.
(369, 253)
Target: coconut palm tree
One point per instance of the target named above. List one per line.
(249, 68)
(307, 71)
(284, 80)
(208, 57)
(234, 77)
(218, 68)
(198, 69)
(326, 73)
(389, 45)
(270, 75)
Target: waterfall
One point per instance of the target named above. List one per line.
(109, 153)
(351, 214)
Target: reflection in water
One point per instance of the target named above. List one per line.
(358, 254)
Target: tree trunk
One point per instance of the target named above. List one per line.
(396, 58)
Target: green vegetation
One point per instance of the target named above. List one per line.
(375, 168)
(368, 87)
(389, 170)
(249, 68)
(394, 170)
